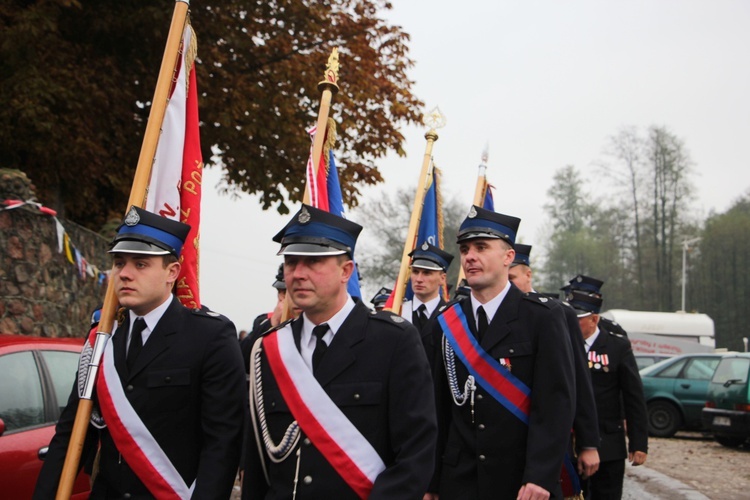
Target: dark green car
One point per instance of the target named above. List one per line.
(727, 411)
(675, 392)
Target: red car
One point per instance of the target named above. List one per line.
(36, 375)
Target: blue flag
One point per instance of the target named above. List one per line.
(336, 207)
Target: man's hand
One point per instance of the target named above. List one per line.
(588, 462)
(530, 491)
(637, 458)
(278, 313)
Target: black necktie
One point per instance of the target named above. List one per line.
(136, 341)
(419, 317)
(320, 345)
(482, 322)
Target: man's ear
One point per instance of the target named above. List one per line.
(173, 272)
(347, 268)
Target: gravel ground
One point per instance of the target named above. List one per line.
(697, 461)
(690, 466)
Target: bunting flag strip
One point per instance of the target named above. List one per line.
(332, 433)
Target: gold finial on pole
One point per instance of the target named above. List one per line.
(331, 75)
(327, 87)
(434, 120)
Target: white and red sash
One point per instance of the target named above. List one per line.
(337, 439)
(133, 440)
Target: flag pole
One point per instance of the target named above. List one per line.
(137, 197)
(328, 86)
(434, 120)
(479, 192)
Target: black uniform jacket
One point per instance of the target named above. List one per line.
(492, 453)
(427, 333)
(617, 387)
(376, 372)
(585, 422)
(188, 387)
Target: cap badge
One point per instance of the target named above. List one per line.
(304, 216)
(425, 246)
(579, 278)
(132, 218)
(472, 213)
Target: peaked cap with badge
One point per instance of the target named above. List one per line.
(586, 284)
(483, 223)
(143, 232)
(430, 257)
(523, 255)
(584, 303)
(316, 232)
(381, 297)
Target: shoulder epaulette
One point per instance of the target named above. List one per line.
(538, 299)
(208, 313)
(390, 317)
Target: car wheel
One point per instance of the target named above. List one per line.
(729, 441)
(663, 419)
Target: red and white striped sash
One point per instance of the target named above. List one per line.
(337, 439)
(133, 440)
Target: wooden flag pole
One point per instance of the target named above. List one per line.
(137, 197)
(479, 192)
(435, 120)
(328, 86)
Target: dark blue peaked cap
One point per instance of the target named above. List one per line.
(316, 232)
(430, 257)
(381, 297)
(143, 232)
(482, 223)
(584, 303)
(523, 255)
(586, 284)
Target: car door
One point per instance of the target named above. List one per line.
(691, 386)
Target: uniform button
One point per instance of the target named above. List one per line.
(511, 351)
(167, 379)
(480, 427)
(126, 495)
(307, 479)
(273, 404)
(480, 397)
(356, 397)
(482, 458)
(129, 388)
(306, 442)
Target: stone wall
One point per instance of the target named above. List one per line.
(41, 292)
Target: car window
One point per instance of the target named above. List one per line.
(673, 370)
(21, 403)
(62, 367)
(732, 369)
(701, 368)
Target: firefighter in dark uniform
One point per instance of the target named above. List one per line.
(380, 298)
(429, 265)
(593, 287)
(585, 424)
(492, 443)
(341, 397)
(618, 391)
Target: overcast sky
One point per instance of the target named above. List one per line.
(544, 84)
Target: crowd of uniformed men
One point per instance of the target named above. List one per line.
(500, 393)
